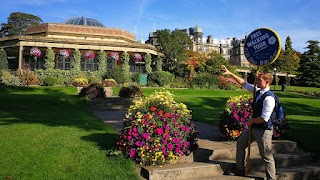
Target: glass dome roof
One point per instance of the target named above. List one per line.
(83, 21)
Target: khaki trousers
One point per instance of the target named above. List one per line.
(264, 141)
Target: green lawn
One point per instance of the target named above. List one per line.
(48, 133)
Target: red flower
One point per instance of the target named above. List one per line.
(166, 115)
(160, 112)
(153, 108)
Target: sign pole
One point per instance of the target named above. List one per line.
(262, 47)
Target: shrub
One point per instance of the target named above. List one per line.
(233, 121)
(116, 73)
(52, 80)
(179, 82)
(27, 77)
(93, 91)
(80, 82)
(135, 77)
(9, 79)
(157, 130)
(109, 83)
(205, 81)
(130, 91)
(161, 78)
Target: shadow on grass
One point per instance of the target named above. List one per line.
(105, 141)
(44, 105)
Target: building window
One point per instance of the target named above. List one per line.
(89, 64)
(63, 63)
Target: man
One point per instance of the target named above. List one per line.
(261, 124)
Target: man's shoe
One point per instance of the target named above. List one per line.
(235, 172)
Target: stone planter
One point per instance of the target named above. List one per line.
(108, 91)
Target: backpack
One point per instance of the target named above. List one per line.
(278, 110)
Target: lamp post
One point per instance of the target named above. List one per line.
(275, 78)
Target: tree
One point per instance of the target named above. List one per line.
(310, 65)
(214, 62)
(49, 60)
(173, 45)
(126, 68)
(102, 67)
(194, 60)
(18, 23)
(148, 63)
(3, 60)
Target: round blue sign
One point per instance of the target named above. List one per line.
(262, 47)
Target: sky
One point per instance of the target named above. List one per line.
(221, 19)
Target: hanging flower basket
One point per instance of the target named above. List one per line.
(89, 55)
(137, 57)
(35, 53)
(64, 53)
(114, 55)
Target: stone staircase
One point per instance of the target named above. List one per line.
(214, 158)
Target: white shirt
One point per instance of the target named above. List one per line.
(268, 103)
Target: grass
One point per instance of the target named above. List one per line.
(48, 133)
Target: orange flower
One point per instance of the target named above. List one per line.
(160, 112)
(167, 115)
(153, 108)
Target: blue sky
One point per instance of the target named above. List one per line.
(222, 19)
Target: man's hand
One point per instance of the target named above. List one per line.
(225, 70)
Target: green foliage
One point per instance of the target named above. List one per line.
(161, 78)
(76, 63)
(129, 91)
(159, 64)
(135, 77)
(3, 60)
(205, 81)
(148, 63)
(214, 63)
(18, 23)
(116, 73)
(102, 58)
(179, 82)
(49, 60)
(126, 68)
(310, 65)
(58, 77)
(173, 45)
(9, 79)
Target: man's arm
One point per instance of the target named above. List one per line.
(239, 80)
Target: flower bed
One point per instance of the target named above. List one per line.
(89, 55)
(233, 121)
(157, 130)
(64, 53)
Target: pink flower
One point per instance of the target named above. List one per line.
(160, 131)
(176, 134)
(188, 129)
(138, 143)
(132, 152)
(183, 128)
(164, 141)
(170, 146)
(145, 135)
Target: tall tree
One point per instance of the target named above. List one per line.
(173, 45)
(18, 23)
(310, 65)
(214, 62)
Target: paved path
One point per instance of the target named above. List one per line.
(115, 120)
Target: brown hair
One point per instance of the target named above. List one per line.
(267, 76)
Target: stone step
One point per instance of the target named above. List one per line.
(282, 161)
(181, 171)
(304, 172)
(214, 150)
